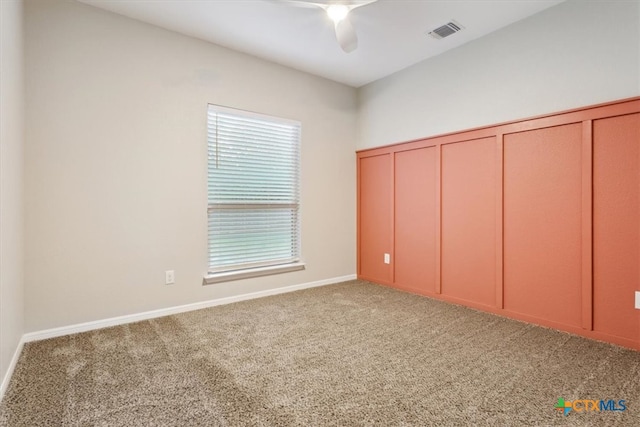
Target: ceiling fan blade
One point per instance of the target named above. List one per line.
(305, 4)
(351, 4)
(324, 4)
(346, 35)
(358, 3)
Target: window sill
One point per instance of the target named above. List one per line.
(228, 276)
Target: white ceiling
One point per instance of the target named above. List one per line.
(391, 33)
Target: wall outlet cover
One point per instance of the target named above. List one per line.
(169, 277)
(638, 300)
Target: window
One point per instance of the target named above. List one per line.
(253, 194)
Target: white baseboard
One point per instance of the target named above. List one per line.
(121, 320)
(12, 367)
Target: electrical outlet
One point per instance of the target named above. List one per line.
(169, 277)
(387, 258)
(638, 300)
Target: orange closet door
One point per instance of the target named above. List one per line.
(375, 212)
(616, 225)
(415, 220)
(469, 220)
(542, 223)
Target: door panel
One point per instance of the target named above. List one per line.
(375, 217)
(542, 223)
(415, 219)
(616, 226)
(469, 220)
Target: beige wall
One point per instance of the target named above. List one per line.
(11, 149)
(115, 172)
(572, 55)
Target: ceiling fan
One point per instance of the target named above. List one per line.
(338, 11)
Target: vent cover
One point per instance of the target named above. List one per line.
(446, 30)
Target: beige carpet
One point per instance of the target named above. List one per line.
(352, 354)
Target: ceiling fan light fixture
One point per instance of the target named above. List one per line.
(337, 12)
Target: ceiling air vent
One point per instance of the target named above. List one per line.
(446, 30)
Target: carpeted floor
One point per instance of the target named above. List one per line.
(352, 354)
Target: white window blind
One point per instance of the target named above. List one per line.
(253, 190)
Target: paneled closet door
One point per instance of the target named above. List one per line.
(616, 225)
(542, 224)
(375, 211)
(415, 220)
(469, 221)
